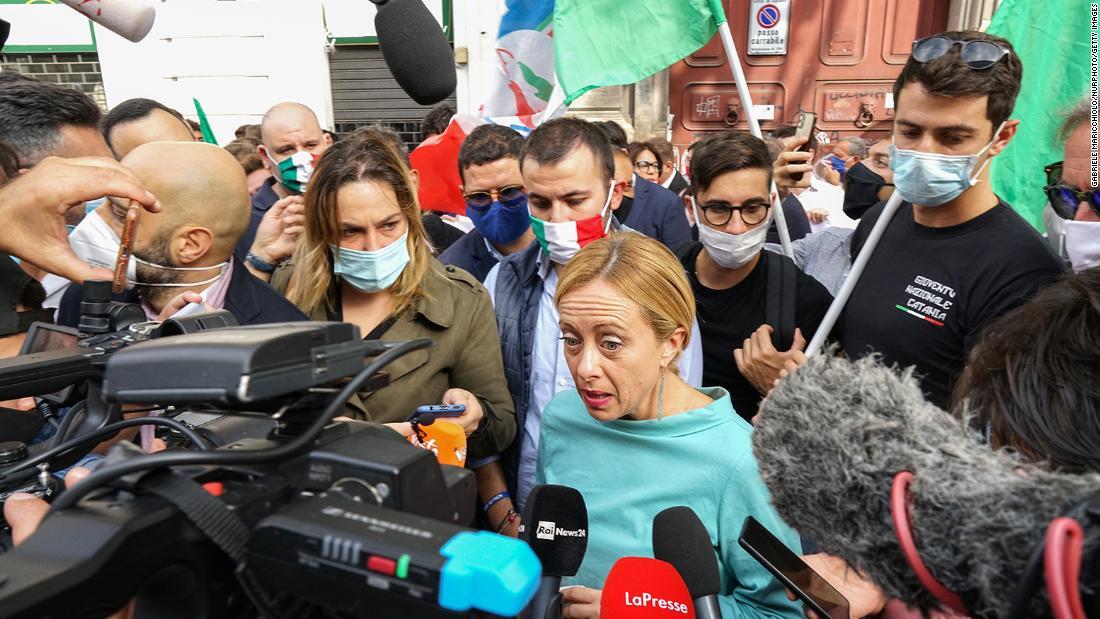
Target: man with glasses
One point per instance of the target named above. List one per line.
(488, 165)
(1074, 194)
(746, 299)
(954, 256)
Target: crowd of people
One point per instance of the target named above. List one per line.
(611, 321)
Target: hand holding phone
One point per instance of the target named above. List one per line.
(818, 595)
(805, 130)
(427, 414)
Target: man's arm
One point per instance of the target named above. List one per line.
(33, 208)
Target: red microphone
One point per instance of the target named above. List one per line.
(640, 588)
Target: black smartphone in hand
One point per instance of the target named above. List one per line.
(792, 571)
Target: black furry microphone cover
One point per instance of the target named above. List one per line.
(829, 440)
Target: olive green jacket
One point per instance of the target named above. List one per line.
(457, 314)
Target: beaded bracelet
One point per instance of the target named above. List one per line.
(509, 519)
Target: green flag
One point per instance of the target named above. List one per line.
(608, 42)
(204, 124)
(1052, 40)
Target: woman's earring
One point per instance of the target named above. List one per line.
(661, 394)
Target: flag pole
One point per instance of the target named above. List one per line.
(850, 281)
(750, 116)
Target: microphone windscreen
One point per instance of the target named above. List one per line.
(130, 19)
(5, 30)
(642, 588)
(680, 539)
(555, 526)
(416, 50)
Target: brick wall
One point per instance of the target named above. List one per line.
(77, 71)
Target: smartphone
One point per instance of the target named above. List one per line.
(792, 571)
(437, 411)
(806, 122)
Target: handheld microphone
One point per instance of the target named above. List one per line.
(641, 588)
(130, 19)
(830, 439)
(680, 539)
(555, 525)
(416, 50)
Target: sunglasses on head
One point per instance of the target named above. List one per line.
(1066, 199)
(511, 196)
(976, 54)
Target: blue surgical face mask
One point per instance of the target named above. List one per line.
(931, 179)
(501, 223)
(371, 271)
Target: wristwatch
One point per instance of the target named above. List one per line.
(259, 263)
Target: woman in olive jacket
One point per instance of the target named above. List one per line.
(364, 258)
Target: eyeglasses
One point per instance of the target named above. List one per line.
(1065, 199)
(646, 166)
(720, 213)
(976, 54)
(512, 196)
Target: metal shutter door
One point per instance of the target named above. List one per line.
(364, 93)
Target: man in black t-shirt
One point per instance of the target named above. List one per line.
(955, 256)
(748, 301)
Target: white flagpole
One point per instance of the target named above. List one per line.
(754, 126)
(854, 274)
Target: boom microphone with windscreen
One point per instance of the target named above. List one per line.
(680, 539)
(642, 588)
(831, 437)
(415, 50)
(130, 19)
(555, 526)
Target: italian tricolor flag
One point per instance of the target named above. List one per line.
(561, 241)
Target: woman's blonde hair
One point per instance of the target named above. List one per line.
(643, 270)
(360, 158)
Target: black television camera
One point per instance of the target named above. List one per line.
(315, 519)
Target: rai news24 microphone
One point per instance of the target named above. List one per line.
(130, 19)
(680, 539)
(643, 588)
(830, 439)
(555, 525)
(415, 50)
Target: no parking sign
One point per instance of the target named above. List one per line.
(769, 23)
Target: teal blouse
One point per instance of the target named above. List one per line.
(629, 471)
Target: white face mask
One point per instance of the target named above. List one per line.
(97, 244)
(1082, 242)
(731, 251)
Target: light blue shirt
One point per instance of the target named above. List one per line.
(550, 374)
(628, 471)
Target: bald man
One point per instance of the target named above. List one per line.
(188, 246)
(139, 121)
(291, 142)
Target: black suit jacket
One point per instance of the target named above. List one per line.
(678, 184)
(470, 254)
(251, 301)
(658, 213)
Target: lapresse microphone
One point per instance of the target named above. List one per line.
(130, 19)
(555, 525)
(415, 50)
(829, 441)
(643, 588)
(679, 538)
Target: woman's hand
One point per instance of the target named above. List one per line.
(473, 415)
(581, 603)
(181, 301)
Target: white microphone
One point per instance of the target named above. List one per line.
(130, 19)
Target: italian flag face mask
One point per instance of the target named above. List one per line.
(296, 170)
(561, 241)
